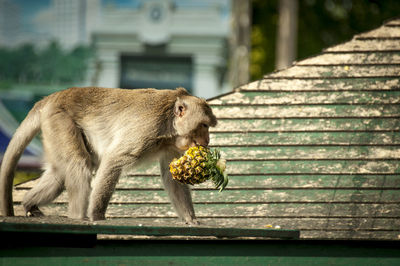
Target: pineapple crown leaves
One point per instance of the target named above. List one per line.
(218, 176)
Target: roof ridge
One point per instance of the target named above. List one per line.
(391, 20)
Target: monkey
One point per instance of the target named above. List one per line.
(95, 133)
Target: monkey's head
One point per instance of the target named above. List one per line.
(193, 117)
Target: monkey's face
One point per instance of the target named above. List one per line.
(193, 117)
(198, 137)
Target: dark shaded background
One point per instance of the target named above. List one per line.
(322, 23)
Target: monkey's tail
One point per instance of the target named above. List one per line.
(29, 127)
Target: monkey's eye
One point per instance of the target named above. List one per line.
(204, 125)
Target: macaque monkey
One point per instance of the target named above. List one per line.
(98, 132)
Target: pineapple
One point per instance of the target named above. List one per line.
(199, 164)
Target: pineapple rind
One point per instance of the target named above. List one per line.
(197, 165)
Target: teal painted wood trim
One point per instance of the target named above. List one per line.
(147, 231)
(208, 253)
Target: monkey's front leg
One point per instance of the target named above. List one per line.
(178, 193)
(104, 185)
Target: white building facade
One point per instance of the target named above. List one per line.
(137, 43)
(163, 44)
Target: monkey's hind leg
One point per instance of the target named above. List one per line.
(78, 188)
(49, 187)
(65, 149)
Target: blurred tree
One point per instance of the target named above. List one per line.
(321, 23)
(80, 57)
(264, 26)
(240, 43)
(51, 62)
(51, 65)
(286, 41)
(24, 63)
(5, 69)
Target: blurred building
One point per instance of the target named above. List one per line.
(74, 20)
(69, 27)
(10, 23)
(163, 44)
(137, 43)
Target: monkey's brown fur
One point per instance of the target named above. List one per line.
(97, 132)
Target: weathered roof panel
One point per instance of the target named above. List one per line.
(304, 124)
(347, 71)
(322, 84)
(367, 45)
(319, 140)
(353, 59)
(317, 111)
(315, 147)
(312, 97)
(385, 32)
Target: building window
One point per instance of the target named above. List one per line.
(160, 72)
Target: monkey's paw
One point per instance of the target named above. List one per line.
(97, 217)
(192, 222)
(34, 212)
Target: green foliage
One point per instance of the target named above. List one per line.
(52, 65)
(218, 176)
(265, 21)
(322, 23)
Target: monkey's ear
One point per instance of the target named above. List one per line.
(180, 108)
(182, 90)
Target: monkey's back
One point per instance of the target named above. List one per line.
(100, 112)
